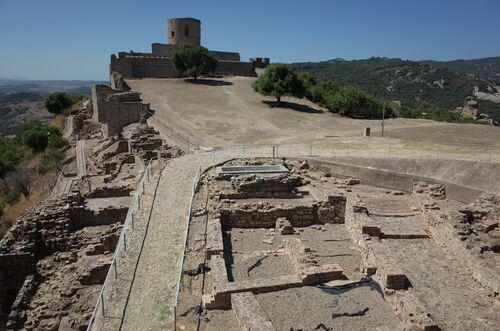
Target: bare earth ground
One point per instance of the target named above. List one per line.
(232, 114)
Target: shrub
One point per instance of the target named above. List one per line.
(11, 154)
(12, 196)
(57, 102)
(37, 136)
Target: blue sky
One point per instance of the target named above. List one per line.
(69, 39)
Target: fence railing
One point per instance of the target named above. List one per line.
(121, 246)
(414, 150)
(184, 139)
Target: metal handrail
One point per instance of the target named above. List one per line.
(191, 141)
(135, 205)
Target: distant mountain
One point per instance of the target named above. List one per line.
(45, 87)
(23, 100)
(412, 83)
(487, 68)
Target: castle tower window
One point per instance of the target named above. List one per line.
(186, 32)
(172, 34)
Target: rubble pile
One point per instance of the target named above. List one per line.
(145, 141)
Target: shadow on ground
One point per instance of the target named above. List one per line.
(294, 106)
(211, 82)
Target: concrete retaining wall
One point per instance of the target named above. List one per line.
(397, 180)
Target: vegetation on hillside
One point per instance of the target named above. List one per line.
(485, 68)
(280, 80)
(194, 60)
(424, 91)
(35, 150)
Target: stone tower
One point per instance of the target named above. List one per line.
(184, 31)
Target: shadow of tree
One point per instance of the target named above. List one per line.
(294, 106)
(210, 82)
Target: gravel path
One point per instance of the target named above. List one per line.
(153, 290)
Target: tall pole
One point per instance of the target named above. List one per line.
(383, 117)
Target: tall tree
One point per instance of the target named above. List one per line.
(279, 80)
(194, 60)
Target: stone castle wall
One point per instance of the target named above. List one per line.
(132, 66)
(236, 68)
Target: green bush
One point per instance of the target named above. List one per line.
(57, 102)
(37, 136)
(353, 102)
(11, 154)
(57, 141)
(12, 196)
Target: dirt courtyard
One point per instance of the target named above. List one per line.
(228, 112)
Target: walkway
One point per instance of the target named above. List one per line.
(80, 158)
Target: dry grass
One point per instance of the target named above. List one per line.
(58, 122)
(40, 188)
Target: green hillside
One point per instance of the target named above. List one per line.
(486, 68)
(414, 84)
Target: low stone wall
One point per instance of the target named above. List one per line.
(215, 243)
(246, 187)
(408, 308)
(255, 217)
(308, 272)
(249, 312)
(397, 180)
(82, 217)
(443, 231)
(264, 216)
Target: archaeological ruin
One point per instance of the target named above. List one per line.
(312, 249)
(167, 217)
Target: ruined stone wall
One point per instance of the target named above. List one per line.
(82, 217)
(266, 218)
(121, 114)
(100, 93)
